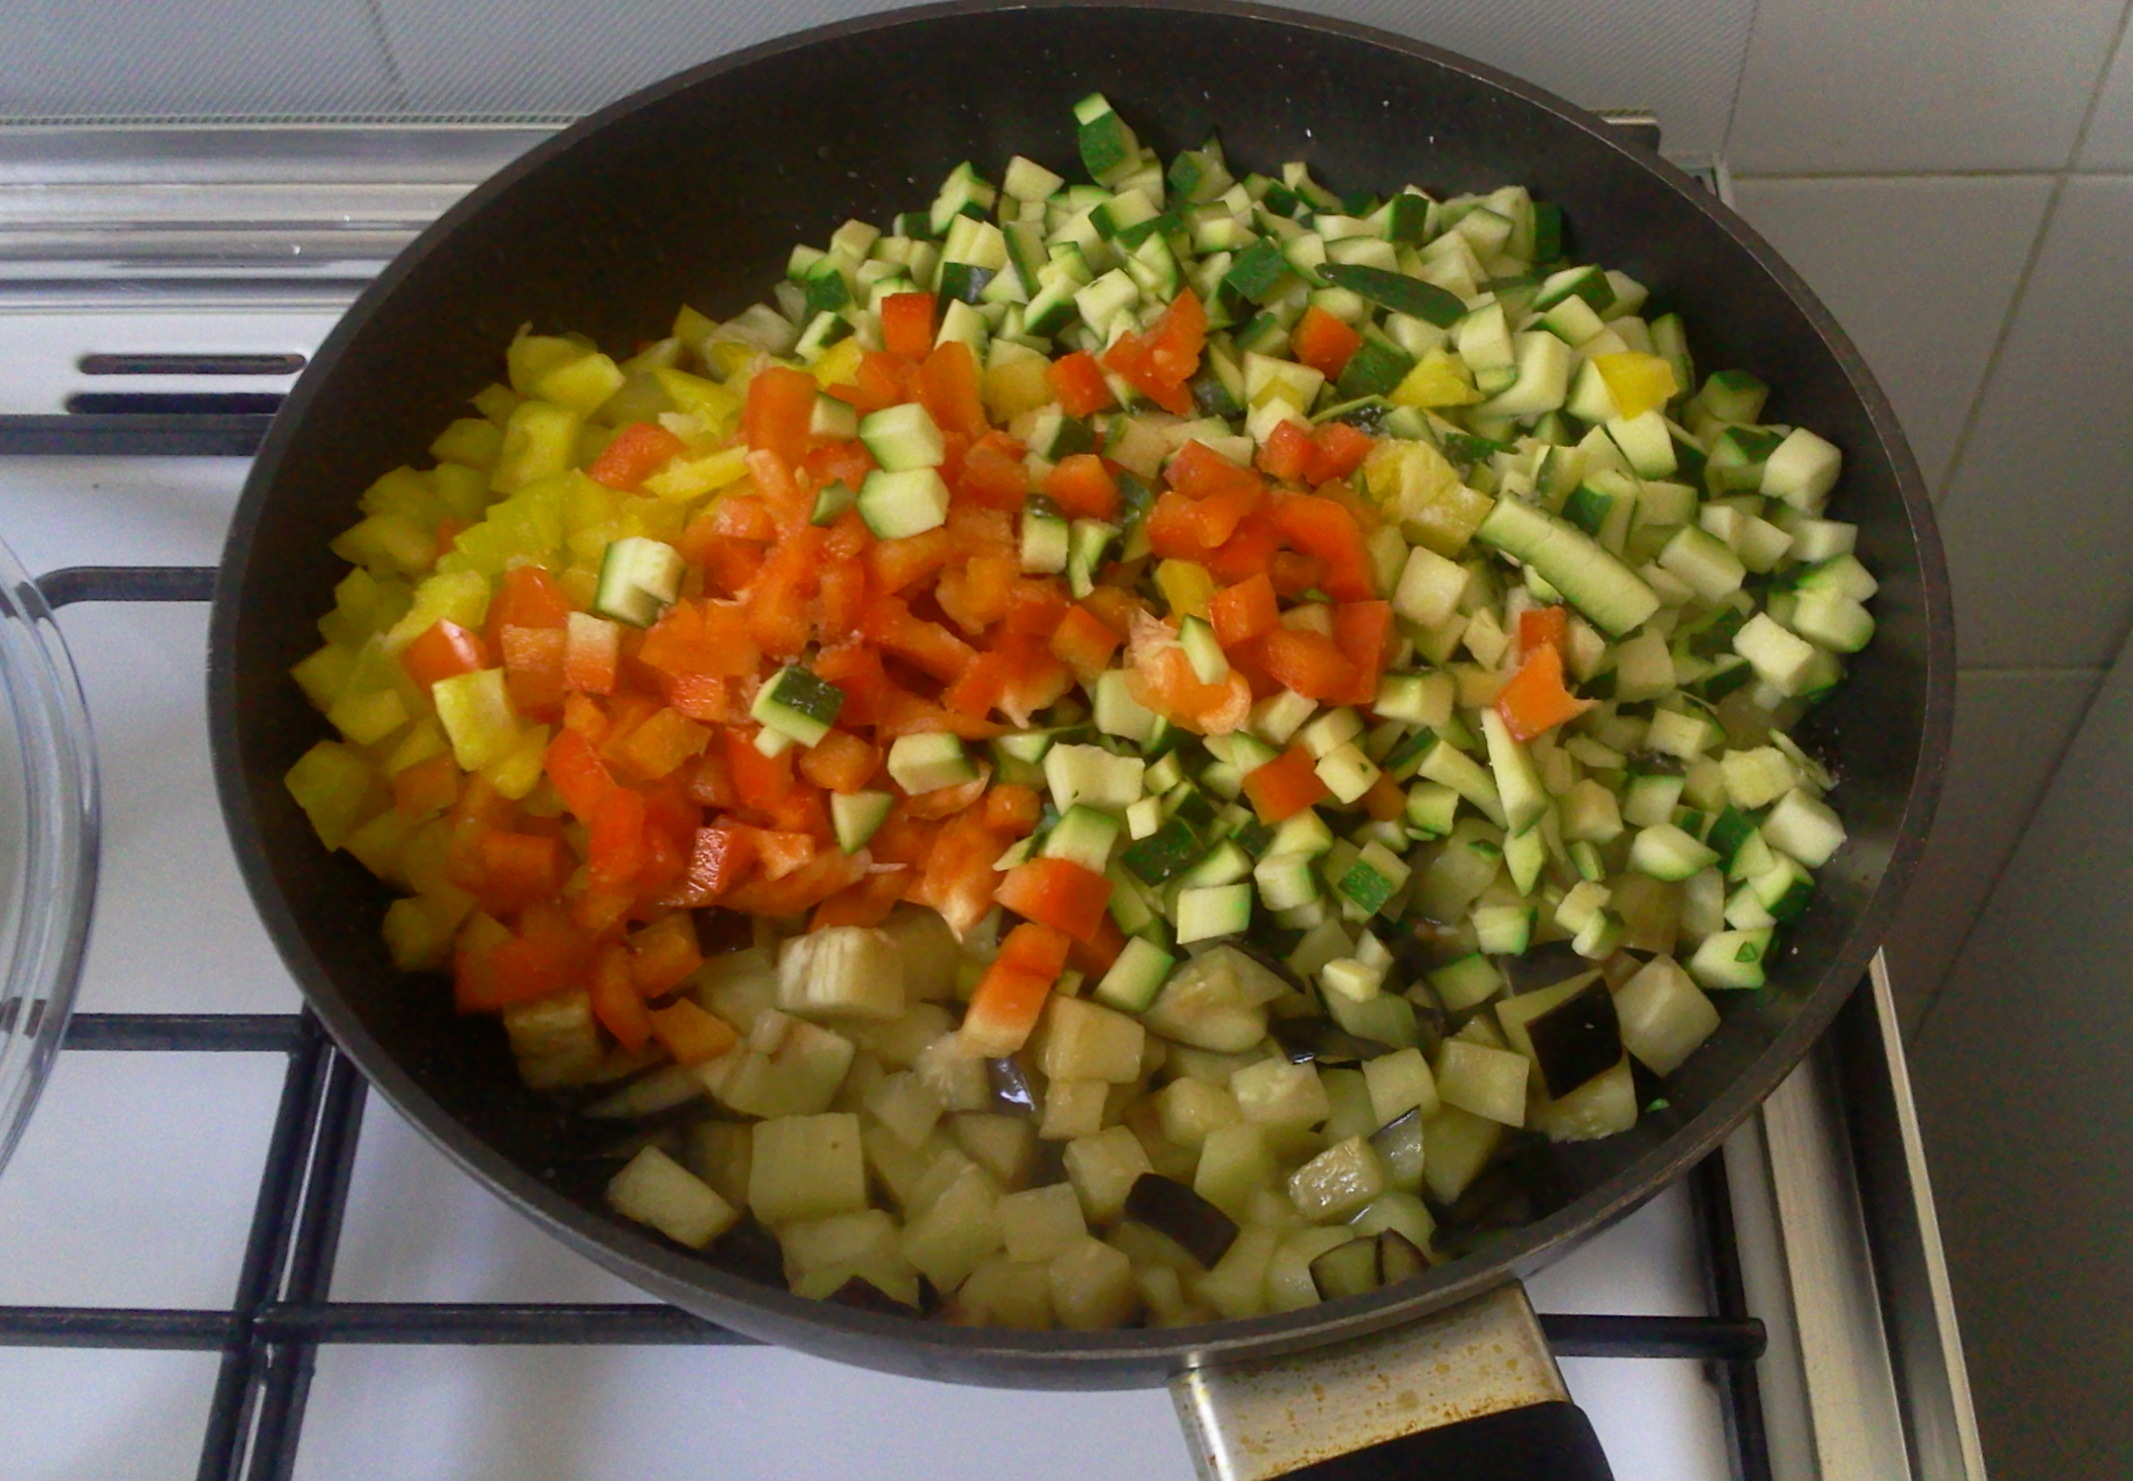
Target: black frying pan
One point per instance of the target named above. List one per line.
(694, 190)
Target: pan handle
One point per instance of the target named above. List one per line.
(1472, 1392)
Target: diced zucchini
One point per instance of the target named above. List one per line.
(928, 762)
(639, 579)
(797, 703)
(896, 506)
(856, 816)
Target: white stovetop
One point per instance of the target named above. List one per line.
(134, 1185)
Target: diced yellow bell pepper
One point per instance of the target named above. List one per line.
(531, 357)
(463, 491)
(1638, 382)
(333, 784)
(424, 740)
(325, 673)
(405, 492)
(655, 519)
(419, 934)
(1447, 522)
(453, 596)
(692, 328)
(515, 774)
(472, 442)
(475, 710)
(716, 404)
(377, 844)
(837, 365)
(691, 478)
(1018, 386)
(729, 358)
(392, 543)
(1439, 378)
(496, 402)
(367, 716)
(581, 584)
(1402, 473)
(425, 862)
(581, 384)
(539, 442)
(593, 438)
(587, 501)
(1186, 586)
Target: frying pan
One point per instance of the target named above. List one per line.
(694, 190)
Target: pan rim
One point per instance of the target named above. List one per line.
(1128, 1357)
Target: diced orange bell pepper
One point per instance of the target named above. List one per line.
(426, 788)
(949, 387)
(1285, 786)
(526, 597)
(1326, 528)
(1078, 381)
(1323, 342)
(1059, 893)
(691, 1033)
(615, 844)
(636, 453)
(1536, 700)
(664, 953)
(841, 762)
(443, 650)
(866, 903)
(1363, 632)
(1012, 809)
(1337, 450)
(907, 324)
(722, 857)
(591, 652)
(579, 775)
(993, 473)
(533, 669)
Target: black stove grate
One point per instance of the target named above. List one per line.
(282, 1313)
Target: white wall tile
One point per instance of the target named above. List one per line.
(2109, 145)
(1906, 85)
(2025, 1088)
(1678, 57)
(2010, 730)
(226, 58)
(2039, 512)
(1890, 256)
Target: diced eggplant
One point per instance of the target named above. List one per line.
(1170, 1208)
(1543, 966)
(1577, 1039)
(1398, 1259)
(1349, 1269)
(1010, 1086)
(1321, 1039)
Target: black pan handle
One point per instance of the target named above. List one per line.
(1470, 1393)
(70, 584)
(1540, 1442)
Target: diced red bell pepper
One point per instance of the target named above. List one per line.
(526, 597)
(533, 669)
(1244, 611)
(426, 788)
(636, 453)
(664, 953)
(776, 607)
(721, 858)
(1286, 454)
(1084, 643)
(1535, 699)
(543, 958)
(928, 645)
(907, 324)
(841, 762)
(950, 389)
(591, 652)
(443, 650)
(958, 879)
(1059, 893)
(980, 593)
(579, 775)
(1012, 809)
(615, 999)
(1010, 997)
(1323, 342)
(1177, 338)
(1308, 663)
(1364, 634)
(1285, 786)
(518, 869)
(1078, 381)
(615, 843)
(830, 871)
(993, 474)
(1327, 529)
(1543, 627)
(1083, 487)
(779, 412)
(896, 565)
(866, 903)
(1337, 450)
(978, 688)
(1095, 956)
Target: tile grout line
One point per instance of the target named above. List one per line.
(1740, 78)
(1945, 505)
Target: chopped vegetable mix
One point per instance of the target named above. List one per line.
(1219, 709)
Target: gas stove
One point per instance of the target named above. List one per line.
(224, 1259)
